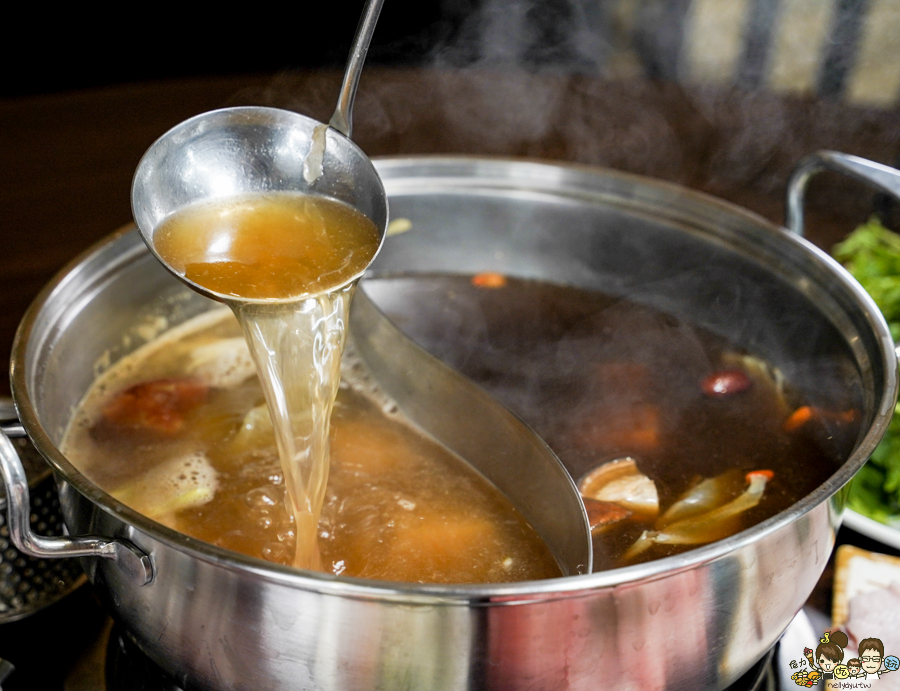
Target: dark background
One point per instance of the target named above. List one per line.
(75, 48)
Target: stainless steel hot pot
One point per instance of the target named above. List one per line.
(217, 620)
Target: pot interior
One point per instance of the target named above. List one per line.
(691, 256)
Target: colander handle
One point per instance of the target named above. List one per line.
(876, 174)
(135, 564)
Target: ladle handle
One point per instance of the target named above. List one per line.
(134, 563)
(881, 176)
(342, 120)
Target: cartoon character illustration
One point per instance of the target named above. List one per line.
(828, 661)
(830, 652)
(871, 655)
(808, 654)
(806, 677)
(841, 672)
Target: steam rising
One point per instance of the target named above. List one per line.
(643, 86)
(721, 97)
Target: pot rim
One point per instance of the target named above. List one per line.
(535, 172)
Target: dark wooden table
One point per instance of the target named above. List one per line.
(66, 162)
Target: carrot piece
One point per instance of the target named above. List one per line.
(798, 418)
(768, 474)
(489, 279)
(846, 416)
(804, 414)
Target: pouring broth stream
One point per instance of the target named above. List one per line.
(290, 262)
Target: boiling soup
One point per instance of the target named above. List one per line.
(677, 437)
(180, 432)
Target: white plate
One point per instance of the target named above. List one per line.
(886, 534)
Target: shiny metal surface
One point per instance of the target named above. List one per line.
(693, 621)
(342, 119)
(876, 174)
(466, 420)
(131, 561)
(9, 420)
(237, 151)
(29, 584)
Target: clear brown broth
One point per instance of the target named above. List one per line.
(397, 506)
(268, 246)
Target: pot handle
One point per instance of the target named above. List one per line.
(881, 176)
(135, 564)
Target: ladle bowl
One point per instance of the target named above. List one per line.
(251, 150)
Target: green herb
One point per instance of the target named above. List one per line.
(871, 253)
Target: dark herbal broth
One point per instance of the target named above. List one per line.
(600, 377)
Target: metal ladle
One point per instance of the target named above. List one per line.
(254, 150)
(241, 151)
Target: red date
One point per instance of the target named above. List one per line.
(726, 382)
